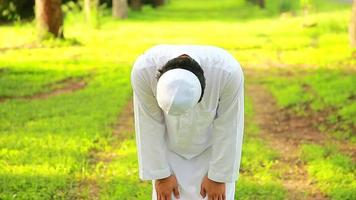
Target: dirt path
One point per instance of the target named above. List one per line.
(64, 86)
(122, 128)
(32, 45)
(285, 133)
(125, 123)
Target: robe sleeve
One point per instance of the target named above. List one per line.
(149, 126)
(228, 129)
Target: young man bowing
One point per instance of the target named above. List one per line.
(189, 121)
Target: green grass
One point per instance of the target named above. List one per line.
(45, 143)
(121, 175)
(330, 92)
(258, 179)
(333, 171)
(20, 82)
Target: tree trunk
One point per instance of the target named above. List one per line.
(49, 18)
(136, 5)
(352, 27)
(91, 10)
(157, 3)
(119, 9)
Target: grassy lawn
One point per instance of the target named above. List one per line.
(330, 92)
(334, 171)
(45, 143)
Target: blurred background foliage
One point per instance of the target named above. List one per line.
(12, 10)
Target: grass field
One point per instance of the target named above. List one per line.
(47, 143)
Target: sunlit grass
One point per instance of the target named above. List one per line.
(327, 91)
(19, 82)
(44, 139)
(334, 172)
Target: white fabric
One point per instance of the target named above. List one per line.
(216, 122)
(189, 183)
(178, 90)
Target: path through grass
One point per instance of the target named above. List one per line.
(47, 144)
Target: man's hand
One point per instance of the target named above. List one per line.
(165, 187)
(215, 190)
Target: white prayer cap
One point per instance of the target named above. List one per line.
(178, 90)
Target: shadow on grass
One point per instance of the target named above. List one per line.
(199, 14)
(226, 10)
(38, 187)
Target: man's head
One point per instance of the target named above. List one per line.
(180, 86)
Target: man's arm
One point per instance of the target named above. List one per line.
(228, 131)
(149, 126)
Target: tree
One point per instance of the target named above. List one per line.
(260, 3)
(136, 5)
(157, 3)
(352, 27)
(119, 9)
(91, 11)
(49, 18)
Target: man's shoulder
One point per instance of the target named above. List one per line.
(220, 59)
(143, 66)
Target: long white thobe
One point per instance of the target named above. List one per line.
(207, 140)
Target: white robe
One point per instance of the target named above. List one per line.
(207, 140)
(189, 174)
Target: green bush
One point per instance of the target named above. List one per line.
(12, 10)
(9, 10)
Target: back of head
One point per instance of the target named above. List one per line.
(180, 86)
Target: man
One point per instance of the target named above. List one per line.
(189, 117)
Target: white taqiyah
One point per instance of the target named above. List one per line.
(178, 90)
